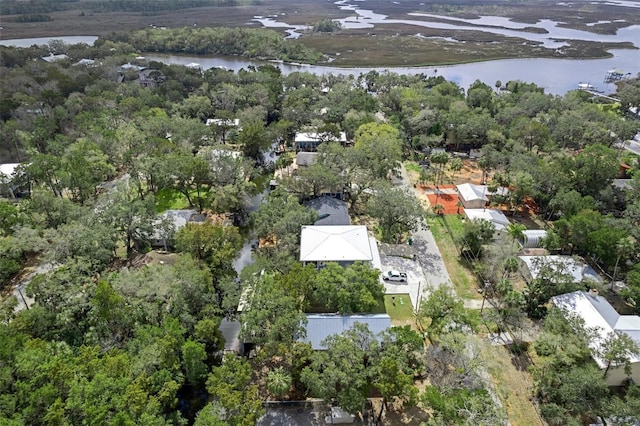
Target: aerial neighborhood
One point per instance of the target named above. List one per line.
(181, 245)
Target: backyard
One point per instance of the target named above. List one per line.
(446, 229)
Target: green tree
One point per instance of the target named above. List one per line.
(617, 349)
(193, 357)
(397, 211)
(130, 216)
(379, 148)
(213, 414)
(216, 245)
(277, 224)
(84, 167)
(342, 371)
(353, 289)
(440, 159)
(271, 316)
(443, 309)
(476, 233)
(253, 140)
(230, 385)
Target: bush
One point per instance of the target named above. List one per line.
(34, 17)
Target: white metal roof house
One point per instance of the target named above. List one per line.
(473, 196)
(597, 313)
(310, 141)
(339, 243)
(476, 196)
(223, 122)
(321, 326)
(496, 217)
(577, 269)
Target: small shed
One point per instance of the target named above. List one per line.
(532, 238)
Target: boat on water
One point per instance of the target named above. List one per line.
(588, 87)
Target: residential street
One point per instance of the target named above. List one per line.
(429, 270)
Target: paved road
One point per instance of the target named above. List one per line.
(429, 260)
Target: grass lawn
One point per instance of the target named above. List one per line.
(170, 199)
(401, 312)
(512, 383)
(464, 281)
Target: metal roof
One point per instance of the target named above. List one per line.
(317, 137)
(598, 314)
(470, 191)
(321, 326)
(496, 217)
(334, 244)
(578, 269)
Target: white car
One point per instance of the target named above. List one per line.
(394, 276)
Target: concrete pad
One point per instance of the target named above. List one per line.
(500, 339)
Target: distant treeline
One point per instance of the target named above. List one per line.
(252, 43)
(159, 5)
(17, 7)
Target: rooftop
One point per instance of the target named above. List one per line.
(331, 211)
(335, 243)
(496, 217)
(470, 191)
(577, 269)
(318, 137)
(597, 313)
(321, 326)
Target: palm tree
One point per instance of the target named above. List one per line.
(624, 247)
(516, 230)
(278, 382)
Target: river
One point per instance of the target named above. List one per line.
(557, 76)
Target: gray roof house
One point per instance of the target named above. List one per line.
(331, 211)
(321, 326)
(166, 225)
(598, 314)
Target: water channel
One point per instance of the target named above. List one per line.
(557, 76)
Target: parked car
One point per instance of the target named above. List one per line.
(394, 276)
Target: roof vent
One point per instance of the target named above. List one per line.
(594, 292)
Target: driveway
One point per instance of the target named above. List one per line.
(416, 280)
(429, 260)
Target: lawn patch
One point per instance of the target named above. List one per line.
(446, 230)
(400, 309)
(170, 199)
